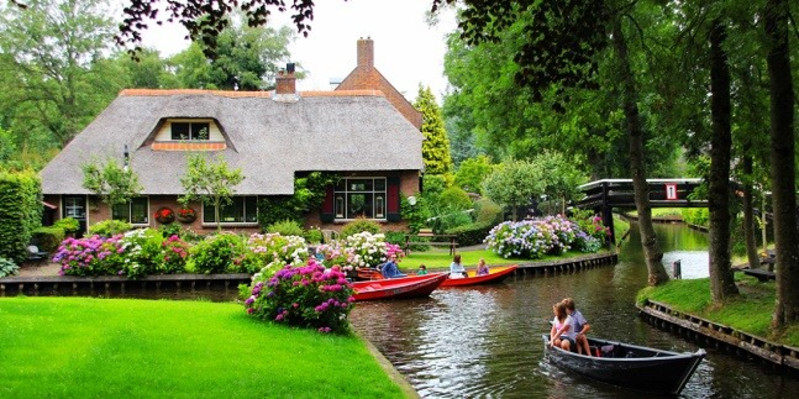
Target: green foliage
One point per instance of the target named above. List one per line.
(560, 176)
(455, 198)
(487, 212)
(435, 147)
(20, 213)
(69, 224)
(48, 238)
(216, 254)
(514, 184)
(696, 216)
(211, 182)
(472, 172)
(286, 228)
(314, 236)
(144, 253)
(111, 182)
(110, 228)
(434, 185)
(417, 214)
(450, 220)
(470, 234)
(395, 237)
(7, 267)
(309, 193)
(359, 225)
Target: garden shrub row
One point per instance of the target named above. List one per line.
(20, 213)
(470, 234)
(534, 238)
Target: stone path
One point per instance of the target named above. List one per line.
(39, 269)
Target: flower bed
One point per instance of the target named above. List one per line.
(534, 238)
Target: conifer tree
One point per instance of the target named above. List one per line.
(435, 148)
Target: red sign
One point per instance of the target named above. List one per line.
(671, 191)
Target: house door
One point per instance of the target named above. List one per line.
(75, 207)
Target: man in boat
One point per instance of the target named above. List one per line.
(390, 269)
(580, 326)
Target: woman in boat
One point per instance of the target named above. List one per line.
(482, 269)
(390, 269)
(561, 334)
(456, 269)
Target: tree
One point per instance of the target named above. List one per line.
(211, 182)
(435, 147)
(111, 182)
(560, 177)
(514, 184)
(472, 172)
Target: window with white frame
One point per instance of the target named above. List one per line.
(191, 130)
(360, 197)
(240, 210)
(135, 211)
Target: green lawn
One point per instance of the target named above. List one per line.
(751, 312)
(104, 348)
(661, 212)
(441, 259)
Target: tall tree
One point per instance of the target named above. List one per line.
(211, 182)
(113, 183)
(783, 173)
(435, 147)
(514, 184)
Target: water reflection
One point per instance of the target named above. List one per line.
(485, 342)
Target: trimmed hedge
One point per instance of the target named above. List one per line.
(470, 234)
(20, 212)
(48, 238)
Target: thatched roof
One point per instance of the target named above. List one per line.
(269, 140)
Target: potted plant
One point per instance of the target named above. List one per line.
(165, 215)
(187, 215)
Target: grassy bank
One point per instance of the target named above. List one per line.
(439, 259)
(83, 348)
(751, 312)
(669, 213)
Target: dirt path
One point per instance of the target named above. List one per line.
(39, 269)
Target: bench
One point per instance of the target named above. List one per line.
(762, 275)
(435, 239)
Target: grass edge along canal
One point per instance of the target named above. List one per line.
(86, 347)
(750, 312)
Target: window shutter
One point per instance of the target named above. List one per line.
(327, 215)
(393, 200)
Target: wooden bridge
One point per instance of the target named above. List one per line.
(604, 195)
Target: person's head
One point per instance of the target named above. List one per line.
(569, 304)
(457, 259)
(392, 257)
(423, 267)
(559, 309)
(481, 262)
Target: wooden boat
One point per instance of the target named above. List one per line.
(396, 288)
(636, 367)
(497, 275)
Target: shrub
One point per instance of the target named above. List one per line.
(455, 198)
(470, 234)
(110, 228)
(487, 212)
(584, 242)
(174, 254)
(335, 254)
(143, 252)
(285, 227)
(69, 224)
(216, 253)
(170, 229)
(451, 220)
(20, 213)
(368, 250)
(532, 238)
(8, 267)
(48, 238)
(305, 296)
(91, 256)
(272, 249)
(359, 225)
(395, 237)
(591, 224)
(696, 216)
(314, 236)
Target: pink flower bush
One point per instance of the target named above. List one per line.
(91, 256)
(308, 296)
(175, 252)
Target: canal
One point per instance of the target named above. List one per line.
(486, 341)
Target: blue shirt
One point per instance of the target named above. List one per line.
(578, 321)
(390, 270)
(456, 268)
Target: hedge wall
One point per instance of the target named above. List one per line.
(20, 212)
(48, 238)
(470, 234)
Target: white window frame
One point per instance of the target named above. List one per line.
(341, 204)
(244, 206)
(130, 212)
(191, 122)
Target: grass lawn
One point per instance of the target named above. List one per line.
(440, 259)
(661, 212)
(751, 312)
(107, 348)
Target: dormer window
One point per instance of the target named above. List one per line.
(191, 131)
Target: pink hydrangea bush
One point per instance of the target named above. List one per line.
(533, 238)
(91, 256)
(175, 252)
(308, 296)
(266, 250)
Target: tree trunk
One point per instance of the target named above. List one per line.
(722, 282)
(217, 212)
(652, 253)
(749, 209)
(783, 174)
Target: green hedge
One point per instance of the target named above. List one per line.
(48, 238)
(20, 212)
(470, 234)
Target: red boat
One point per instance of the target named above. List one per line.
(497, 275)
(395, 288)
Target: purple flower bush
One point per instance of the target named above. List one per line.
(91, 256)
(308, 296)
(533, 238)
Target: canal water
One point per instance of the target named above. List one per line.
(485, 342)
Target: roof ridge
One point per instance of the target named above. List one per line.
(241, 94)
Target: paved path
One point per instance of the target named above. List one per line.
(39, 269)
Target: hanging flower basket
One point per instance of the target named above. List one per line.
(165, 215)
(186, 215)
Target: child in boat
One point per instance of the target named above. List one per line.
(482, 269)
(580, 326)
(422, 270)
(561, 334)
(390, 269)
(456, 269)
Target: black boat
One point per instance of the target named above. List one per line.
(636, 367)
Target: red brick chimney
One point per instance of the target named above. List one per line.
(366, 52)
(285, 82)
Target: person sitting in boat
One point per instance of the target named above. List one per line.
(561, 334)
(390, 269)
(482, 269)
(580, 326)
(456, 269)
(422, 270)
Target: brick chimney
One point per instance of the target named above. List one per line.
(366, 52)
(286, 82)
